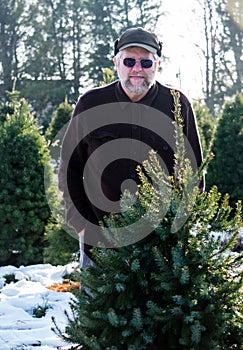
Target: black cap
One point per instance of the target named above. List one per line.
(141, 38)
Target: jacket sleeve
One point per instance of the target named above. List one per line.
(70, 175)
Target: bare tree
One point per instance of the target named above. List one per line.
(222, 52)
(210, 31)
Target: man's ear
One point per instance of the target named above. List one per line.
(159, 63)
(115, 61)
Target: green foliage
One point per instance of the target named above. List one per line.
(39, 311)
(5, 109)
(13, 29)
(61, 242)
(9, 278)
(61, 246)
(226, 169)
(108, 76)
(102, 33)
(206, 126)
(60, 118)
(178, 288)
(44, 104)
(23, 206)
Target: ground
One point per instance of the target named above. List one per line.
(28, 292)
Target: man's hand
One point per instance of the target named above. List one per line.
(81, 233)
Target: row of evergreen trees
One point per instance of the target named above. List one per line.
(28, 231)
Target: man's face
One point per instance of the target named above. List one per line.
(136, 80)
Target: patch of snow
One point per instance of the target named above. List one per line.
(19, 329)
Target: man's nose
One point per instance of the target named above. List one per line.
(137, 67)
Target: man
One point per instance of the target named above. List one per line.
(129, 107)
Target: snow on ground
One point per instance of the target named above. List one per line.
(19, 329)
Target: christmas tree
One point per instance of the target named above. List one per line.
(178, 288)
(229, 178)
(24, 210)
(60, 118)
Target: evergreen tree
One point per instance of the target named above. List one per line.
(206, 126)
(61, 242)
(23, 207)
(46, 43)
(12, 31)
(175, 289)
(62, 247)
(102, 33)
(60, 118)
(226, 169)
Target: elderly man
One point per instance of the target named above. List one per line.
(125, 111)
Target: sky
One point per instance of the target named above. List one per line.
(181, 32)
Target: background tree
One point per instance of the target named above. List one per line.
(226, 169)
(223, 49)
(210, 31)
(12, 13)
(60, 118)
(230, 48)
(61, 246)
(47, 67)
(206, 125)
(79, 42)
(23, 206)
(44, 96)
(56, 55)
(101, 35)
(62, 243)
(46, 43)
(148, 13)
(176, 288)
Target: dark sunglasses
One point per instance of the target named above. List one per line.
(145, 62)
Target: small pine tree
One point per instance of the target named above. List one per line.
(60, 118)
(23, 207)
(178, 288)
(226, 169)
